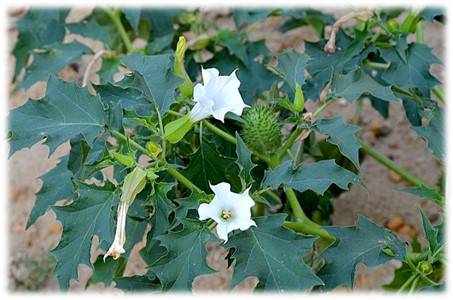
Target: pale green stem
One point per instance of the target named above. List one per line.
(392, 166)
(375, 65)
(115, 16)
(172, 171)
(419, 32)
(229, 138)
(407, 283)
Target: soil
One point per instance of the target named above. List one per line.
(29, 259)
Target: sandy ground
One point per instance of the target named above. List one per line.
(30, 263)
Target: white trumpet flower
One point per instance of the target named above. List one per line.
(231, 211)
(216, 96)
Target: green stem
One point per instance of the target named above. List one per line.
(172, 171)
(295, 206)
(406, 284)
(375, 65)
(414, 285)
(287, 145)
(391, 165)
(419, 32)
(229, 138)
(406, 93)
(225, 135)
(439, 92)
(182, 179)
(136, 145)
(115, 16)
(308, 229)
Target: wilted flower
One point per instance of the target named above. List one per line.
(134, 183)
(231, 211)
(216, 96)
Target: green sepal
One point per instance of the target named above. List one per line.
(126, 160)
(186, 88)
(177, 129)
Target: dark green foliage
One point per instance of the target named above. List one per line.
(262, 251)
(365, 242)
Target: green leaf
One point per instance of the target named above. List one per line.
(316, 176)
(291, 67)
(232, 41)
(187, 207)
(57, 185)
(244, 162)
(160, 222)
(159, 79)
(425, 192)
(362, 243)
(133, 16)
(51, 60)
(431, 233)
(413, 70)
(343, 135)
(90, 214)
(83, 158)
(91, 29)
(242, 16)
(109, 67)
(129, 98)
(323, 66)
(161, 20)
(432, 13)
(37, 29)
(64, 113)
(353, 85)
(105, 271)
(136, 283)
(186, 258)
(208, 166)
(274, 255)
(433, 133)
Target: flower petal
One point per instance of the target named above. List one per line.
(220, 188)
(206, 211)
(209, 74)
(222, 231)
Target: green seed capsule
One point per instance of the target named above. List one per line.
(262, 129)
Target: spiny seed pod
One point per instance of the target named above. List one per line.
(262, 129)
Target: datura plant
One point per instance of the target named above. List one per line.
(211, 141)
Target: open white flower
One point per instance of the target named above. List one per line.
(216, 96)
(231, 211)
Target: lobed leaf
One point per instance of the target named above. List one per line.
(316, 176)
(90, 214)
(274, 255)
(341, 134)
(65, 112)
(366, 243)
